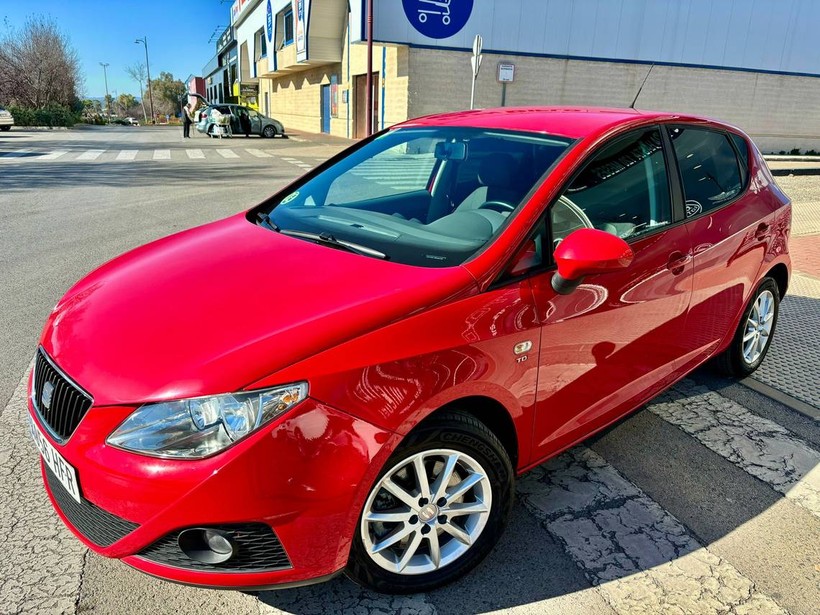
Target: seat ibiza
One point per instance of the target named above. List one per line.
(349, 376)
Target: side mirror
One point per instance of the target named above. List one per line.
(586, 252)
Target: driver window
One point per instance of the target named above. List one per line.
(623, 190)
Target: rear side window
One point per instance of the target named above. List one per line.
(708, 167)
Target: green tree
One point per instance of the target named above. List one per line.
(167, 92)
(127, 102)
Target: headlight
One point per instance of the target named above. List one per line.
(196, 428)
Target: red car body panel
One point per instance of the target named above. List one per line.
(231, 306)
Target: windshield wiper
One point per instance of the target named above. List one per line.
(329, 240)
(266, 220)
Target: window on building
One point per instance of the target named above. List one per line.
(708, 167)
(287, 24)
(623, 190)
(261, 44)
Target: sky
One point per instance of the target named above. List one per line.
(178, 32)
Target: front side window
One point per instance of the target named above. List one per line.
(623, 190)
(429, 197)
(708, 167)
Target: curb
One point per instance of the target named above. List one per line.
(782, 398)
(800, 171)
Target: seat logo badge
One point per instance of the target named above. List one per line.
(522, 347)
(48, 392)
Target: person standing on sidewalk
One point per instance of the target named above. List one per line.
(187, 120)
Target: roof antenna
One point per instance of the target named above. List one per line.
(649, 72)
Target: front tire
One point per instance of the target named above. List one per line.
(269, 132)
(753, 337)
(5, 128)
(436, 510)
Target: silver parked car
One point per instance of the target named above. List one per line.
(261, 125)
(6, 119)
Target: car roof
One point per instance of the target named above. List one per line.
(573, 122)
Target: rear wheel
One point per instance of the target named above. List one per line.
(269, 132)
(754, 333)
(436, 510)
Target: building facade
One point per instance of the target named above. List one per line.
(749, 63)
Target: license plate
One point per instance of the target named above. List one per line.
(63, 470)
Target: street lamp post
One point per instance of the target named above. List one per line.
(107, 106)
(144, 41)
(369, 79)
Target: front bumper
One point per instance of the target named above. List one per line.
(298, 483)
(6, 121)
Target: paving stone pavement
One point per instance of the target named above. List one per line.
(792, 363)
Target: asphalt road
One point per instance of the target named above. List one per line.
(706, 501)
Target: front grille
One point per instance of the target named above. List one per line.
(99, 526)
(258, 550)
(60, 403)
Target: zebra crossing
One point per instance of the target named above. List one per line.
(217, 154)
(402, 173)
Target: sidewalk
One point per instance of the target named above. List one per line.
(793, 165)
(791, 366)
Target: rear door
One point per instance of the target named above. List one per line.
(616, 340)
(730, 228)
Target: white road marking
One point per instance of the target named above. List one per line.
(53, 155)
(758, 446)
(287, 159)
(91, 154)
(642, 558)
(162, 154)
(259, 153)
(227, 153)
(195, 153)
(127, 155)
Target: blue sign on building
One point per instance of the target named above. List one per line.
(438, 18)
(270, 22)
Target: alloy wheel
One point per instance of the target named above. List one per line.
(758, 328)
(426, 512)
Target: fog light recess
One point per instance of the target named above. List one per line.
(207, 545)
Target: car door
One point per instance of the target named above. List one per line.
(256, 121)
(731, 229)
(616, 339)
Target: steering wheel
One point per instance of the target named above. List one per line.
(567, 217)
(500, 206)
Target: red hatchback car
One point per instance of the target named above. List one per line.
(349, 376)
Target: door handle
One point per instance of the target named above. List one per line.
(762, 231)
(677, 262)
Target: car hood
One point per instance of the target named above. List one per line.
(215, 308)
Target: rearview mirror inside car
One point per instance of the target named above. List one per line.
(451, 151)
(586, 252)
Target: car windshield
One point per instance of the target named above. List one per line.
(421, 196)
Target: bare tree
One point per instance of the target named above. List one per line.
(38, 66)
(137, 73)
